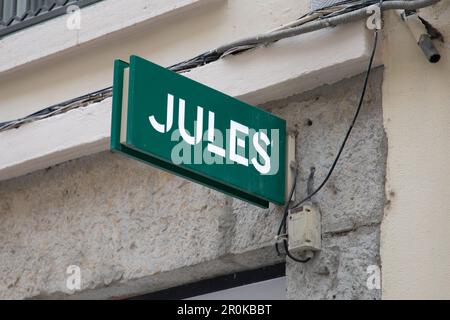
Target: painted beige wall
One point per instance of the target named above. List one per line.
(166, 41)
(415, 238)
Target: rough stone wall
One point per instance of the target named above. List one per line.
(353, 200)
(134, 229)
(129, 227)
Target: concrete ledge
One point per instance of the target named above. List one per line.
(296, 65)
(98, 20)
(227, 264)
(292, 65)
(42, 144)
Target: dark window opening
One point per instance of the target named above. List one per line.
(218, 284)
(19, 14)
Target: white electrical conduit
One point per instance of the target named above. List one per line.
(297, 22)
(324, 23)
(300, 26)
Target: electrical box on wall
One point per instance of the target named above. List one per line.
(304, 229)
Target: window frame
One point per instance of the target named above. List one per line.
(220, 283)
(40, 17)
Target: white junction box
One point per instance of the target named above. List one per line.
(304, 230)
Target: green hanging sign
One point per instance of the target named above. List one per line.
(184, 127)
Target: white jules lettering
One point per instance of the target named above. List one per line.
(235, 150)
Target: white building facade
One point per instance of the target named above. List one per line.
(77, 221)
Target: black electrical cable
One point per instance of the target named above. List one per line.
(333, 166)
(350, 7)
(341, 149)
(286, 249)
(286, 207)
(344, 7)
(285, 212)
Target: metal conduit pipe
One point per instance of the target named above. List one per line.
(429, 50)
(324, 23)
(420, 34)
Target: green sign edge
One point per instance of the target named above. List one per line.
(116, 146)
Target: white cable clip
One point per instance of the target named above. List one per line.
(374, 21)
(281, 238)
